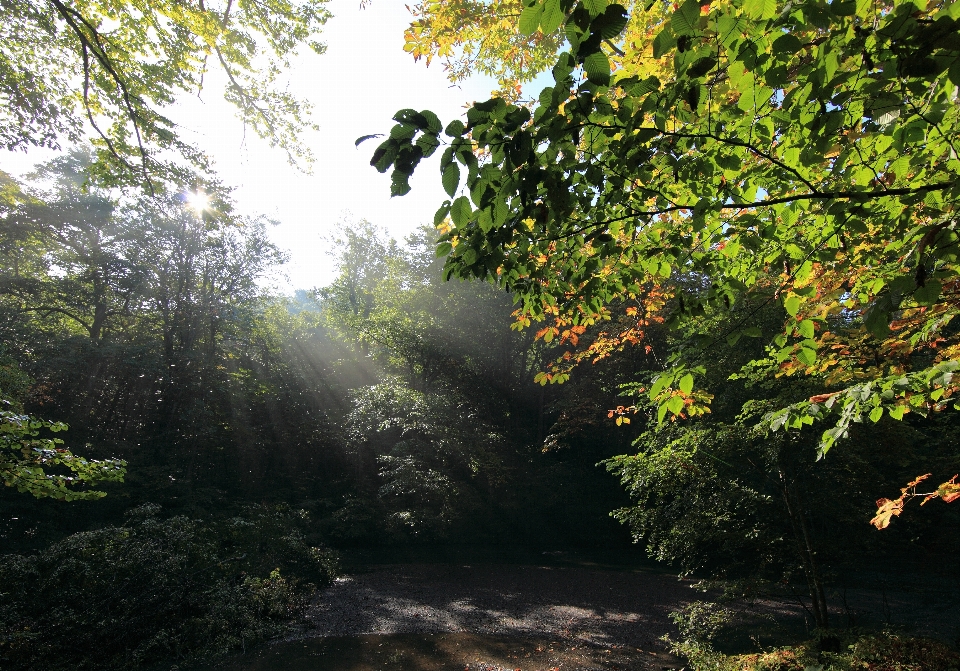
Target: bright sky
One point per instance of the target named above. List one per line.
(355, 87)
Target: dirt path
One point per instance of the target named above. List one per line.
(598, 607)
(503, 617)
(453, 617)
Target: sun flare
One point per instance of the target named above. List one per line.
(198, 201)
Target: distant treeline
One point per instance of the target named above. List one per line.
(395, 407)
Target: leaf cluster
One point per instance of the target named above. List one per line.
(799, 154)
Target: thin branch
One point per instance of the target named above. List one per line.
(615, 49)
(95, 46)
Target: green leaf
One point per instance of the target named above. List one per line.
(928, 293)
(455, 128)
(787, 44)
(660, 384)
(806, 328)
(433, 124)
(760, 9)
(530, 19)
(442, 212)
(675, 405)
(876, 414)
(897, 412)
(597, 67)
(403, 131)
(807, 356)
(611, 23)
(844, 7)
(443, 249)
(364, 138)
(384, 155)
(684, 21)
(686, 384)
(460, 211)
(451, 178)
(399, 183)
(752, 331)
(595, 7)
(702, 66)
(410, 117)
(428, 143)
(664, 42)
(552, 16)
(792, 305)
(877, 317)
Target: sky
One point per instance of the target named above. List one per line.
(355, 87)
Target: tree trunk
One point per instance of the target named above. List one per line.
(807, 552)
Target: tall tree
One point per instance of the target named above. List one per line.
(801, 154)
(138, 320)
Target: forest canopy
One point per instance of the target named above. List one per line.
(86, 69)
(800, 155)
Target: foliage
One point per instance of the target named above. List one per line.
(791, 154)
(155, 589)
(511, 40)
(887, 509)
(142, 323)
(733, 499)
(691, 508)
(443, 421)
(877, 652)
(697, 626)
(30, 462)
(477, 36)
(69, 69)
(428, 466)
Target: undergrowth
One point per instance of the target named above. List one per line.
(882, 651)
(851, 650)
(155, 589)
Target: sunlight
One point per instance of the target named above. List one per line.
(198, 201)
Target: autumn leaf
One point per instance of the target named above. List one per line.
(886, 510)
(949, 491)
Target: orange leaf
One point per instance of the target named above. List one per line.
(886, 510)
(949, 491)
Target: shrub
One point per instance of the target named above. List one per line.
(883, 651)
(122, 597)
(698, 624)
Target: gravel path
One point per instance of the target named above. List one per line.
(604, 608)
(506, 617)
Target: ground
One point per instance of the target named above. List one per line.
(555, 615)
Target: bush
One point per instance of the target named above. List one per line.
(152, 589)
(698, 625)
(877, 652)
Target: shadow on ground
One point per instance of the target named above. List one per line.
(446, 652)
(563, 612)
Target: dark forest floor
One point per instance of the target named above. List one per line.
(564, 613)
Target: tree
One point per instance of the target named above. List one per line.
(500, 39)
(731, 498)
(801, 154)
(73, 68)
(478, 36)
(31, 460)
(87, 279)
(137, 319)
